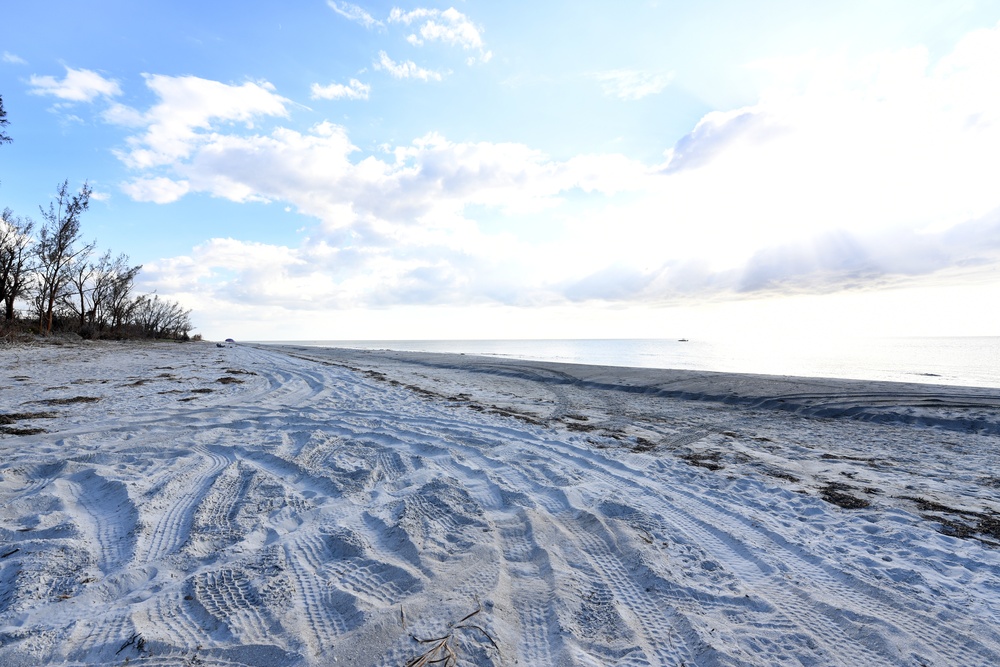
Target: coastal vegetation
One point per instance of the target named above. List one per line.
(51, 281)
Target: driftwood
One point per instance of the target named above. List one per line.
(441, 652)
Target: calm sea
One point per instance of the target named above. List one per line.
(970, 361)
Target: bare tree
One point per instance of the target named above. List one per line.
(112, 292)
(79, 285)
(58, 277)
(100, 293)
(4, 137)
(15, 256)
(56, 249)
(158, 318)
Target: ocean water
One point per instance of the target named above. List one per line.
(968, 361)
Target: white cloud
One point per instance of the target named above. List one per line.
(432, 176)
(627, 84)
(120, 114)
(448, 27)
(397, 15)
(79, 85)
(891, 141)
(158, 190)
(13, 59)
(848, 175)
(406, 69)
(187, 107)
(313, 277)
(870, 150)
(354, 90)
(394, 228)
(354, 13)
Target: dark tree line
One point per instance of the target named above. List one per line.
(65, 286)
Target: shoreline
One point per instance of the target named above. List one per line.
(970, 409)
(970, 361)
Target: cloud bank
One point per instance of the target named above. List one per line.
(871, 174)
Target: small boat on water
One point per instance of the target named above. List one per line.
(682, 340)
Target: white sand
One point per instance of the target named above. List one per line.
(329, 507)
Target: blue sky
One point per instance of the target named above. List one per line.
(325, 169)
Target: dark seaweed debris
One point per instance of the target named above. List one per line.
(834, 493)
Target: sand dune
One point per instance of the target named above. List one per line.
(187, 504)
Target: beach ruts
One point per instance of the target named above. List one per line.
(264, 505)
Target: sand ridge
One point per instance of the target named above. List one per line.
(259, 506)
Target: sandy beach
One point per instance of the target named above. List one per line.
(185, 504)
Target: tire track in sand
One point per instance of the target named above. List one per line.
(760, 558)
(540, 636)
(325, 613)
(106, 514)
(171, 529)
(746, 551)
